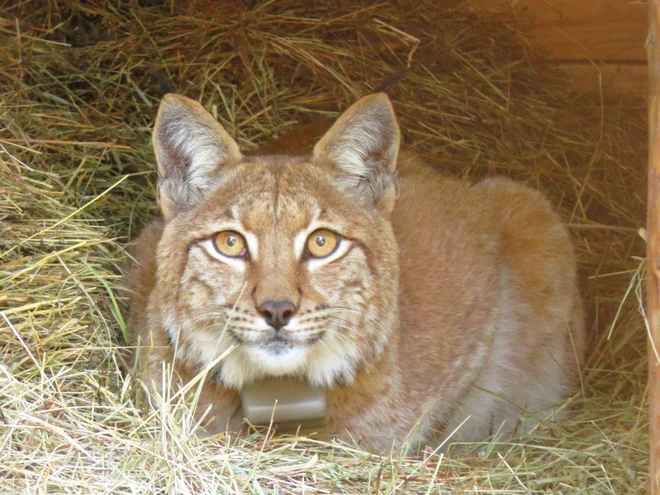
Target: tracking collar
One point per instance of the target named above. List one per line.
(287, 403)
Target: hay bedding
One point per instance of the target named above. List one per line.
(80, 86)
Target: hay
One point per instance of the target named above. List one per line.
(81, 82)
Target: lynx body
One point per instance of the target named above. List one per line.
(440, 300)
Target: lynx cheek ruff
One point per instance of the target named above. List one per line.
(286, 403)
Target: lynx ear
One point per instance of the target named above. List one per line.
(191, 148)
(363, 146)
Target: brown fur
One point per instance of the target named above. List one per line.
(458, 299)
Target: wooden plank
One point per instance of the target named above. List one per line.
(605, 30)
(600, 42)
(653, 245)
(608, 78)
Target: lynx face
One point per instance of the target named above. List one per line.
(288, 263)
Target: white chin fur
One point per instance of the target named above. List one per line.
(292, 361)
(249, 363)
(320, 365)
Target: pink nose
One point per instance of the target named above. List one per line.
(277, 313)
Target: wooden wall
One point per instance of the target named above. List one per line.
(601, 43)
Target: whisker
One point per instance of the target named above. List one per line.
(225, 319)
(351, 330)
(325, 313)
(335, 333)
(206, 316)
(345, 321)
(378, 324)
(340, 308)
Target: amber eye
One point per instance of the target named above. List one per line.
(229, 243)
(322, 243)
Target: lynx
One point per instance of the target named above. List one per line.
(418, 302)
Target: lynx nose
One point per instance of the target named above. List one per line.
(277, 313)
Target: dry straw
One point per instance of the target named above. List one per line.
(80, 83)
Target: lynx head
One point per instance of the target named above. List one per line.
(291, 261)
